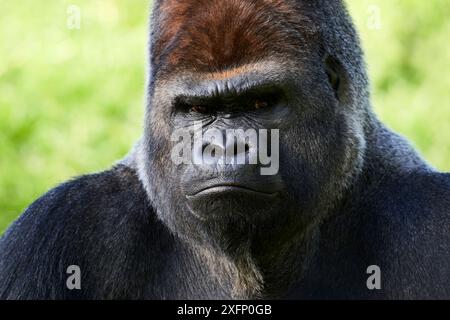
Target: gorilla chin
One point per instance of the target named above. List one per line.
(226, 209)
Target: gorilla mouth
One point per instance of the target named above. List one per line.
(232, 188)
(216, 200)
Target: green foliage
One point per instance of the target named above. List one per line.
(72, 100)
(409, 65)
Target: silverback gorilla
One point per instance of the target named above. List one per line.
(349, 193)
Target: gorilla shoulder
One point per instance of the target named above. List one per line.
(416, 196)
(90, 201)
(410, 217)
(400, 223)
(91, 222)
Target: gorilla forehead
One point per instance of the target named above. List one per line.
(213, 35)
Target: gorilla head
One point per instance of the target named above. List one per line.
(235, 64)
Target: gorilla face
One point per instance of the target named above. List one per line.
(227, 205)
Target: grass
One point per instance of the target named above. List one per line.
(71, 100)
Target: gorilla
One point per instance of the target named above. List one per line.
(349, 195)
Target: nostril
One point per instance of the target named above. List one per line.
(212, 150)
(204, 146)
(241, 148)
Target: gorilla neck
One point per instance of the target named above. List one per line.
(257, 268)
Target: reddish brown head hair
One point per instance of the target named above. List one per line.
(213, 35)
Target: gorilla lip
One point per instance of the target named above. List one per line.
(231, 187)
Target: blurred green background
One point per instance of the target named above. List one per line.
(71, 99)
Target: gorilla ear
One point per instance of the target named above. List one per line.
(332, 68)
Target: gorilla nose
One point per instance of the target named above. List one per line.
(228, 150)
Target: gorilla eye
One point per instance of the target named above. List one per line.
(260, 104)
(264, 100)
(199, 109)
